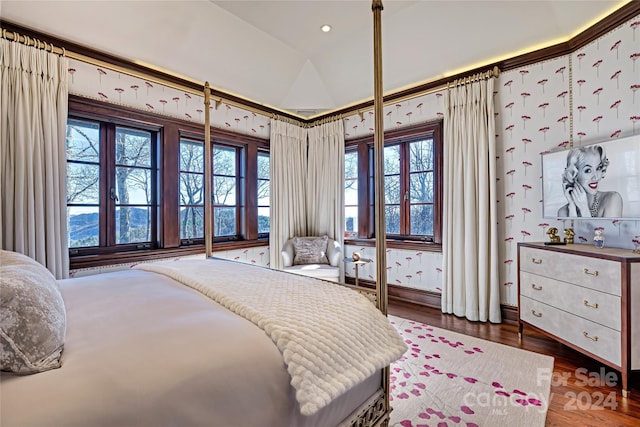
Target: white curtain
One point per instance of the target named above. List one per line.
(470, 240)
(288, 176)
(33, 119)
(325, 183)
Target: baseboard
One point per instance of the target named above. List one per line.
(430, 299)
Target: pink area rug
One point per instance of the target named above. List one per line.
(450, 379)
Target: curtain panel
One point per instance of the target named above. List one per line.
(33, 120)
(288, 177)
(470, 239)
(325, 183)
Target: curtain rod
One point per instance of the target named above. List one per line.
(30, 41)
(494, 72)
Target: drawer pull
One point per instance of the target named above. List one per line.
(536, 314)
(536, 287)
(536, 261)
(595, 273)
(586, 335)
(594, 306)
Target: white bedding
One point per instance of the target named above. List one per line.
(331, 337)
(144, 350)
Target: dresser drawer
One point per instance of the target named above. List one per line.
(592, 337)
(595, 273)
(596, 306)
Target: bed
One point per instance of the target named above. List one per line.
(162, 345)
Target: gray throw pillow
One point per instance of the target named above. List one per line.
(32, 316)
(310, 250)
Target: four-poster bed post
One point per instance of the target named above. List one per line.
(208, 171)
(378, 149)
(378, 144)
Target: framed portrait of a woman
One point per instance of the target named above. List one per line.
(599, 180)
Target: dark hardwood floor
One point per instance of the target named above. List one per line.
(583, 391)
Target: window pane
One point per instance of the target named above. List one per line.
(83, 141)
(351, 220)
(191, 189)
(263, 193)
(84, 226)
(351, 192)
(351, 165)
(133, 147)
(392, 189)
(133, 186)
(422, 220)
(224, 161)
(224, 191)
(224, 221)
(133, 224)
(421, 187)
(191, 156)
(421, 155)
(263, 220)
(392, 216)
(263, 166)
(83, 183)
(191, 222)
(392, 160)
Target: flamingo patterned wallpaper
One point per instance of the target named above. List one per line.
(587, 97)
(583, 98)
(93, 82)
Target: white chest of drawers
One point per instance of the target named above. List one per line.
(586, 298)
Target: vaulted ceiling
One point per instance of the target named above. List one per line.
(274, 53)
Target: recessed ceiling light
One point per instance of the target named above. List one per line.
(326, 28)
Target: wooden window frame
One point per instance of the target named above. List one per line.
(169, 131)
(364, 147)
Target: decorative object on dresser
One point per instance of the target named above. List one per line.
(585, 297)
(553, 235)
(598, 238)
(569, 235)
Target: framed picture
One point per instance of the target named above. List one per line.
(593, 181)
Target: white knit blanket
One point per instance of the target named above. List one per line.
(331, 337)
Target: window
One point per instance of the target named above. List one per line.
(226, 182)
(83, 183)
(191, 190)
(351, 194)
(110, 185)
(117, 159)
(263, 194)
(409, 188)
(412, 183)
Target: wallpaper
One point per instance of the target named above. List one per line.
(105, 85)
(587, 97)
(580, 99)
(583, 98)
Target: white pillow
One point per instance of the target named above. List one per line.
(33, 317)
